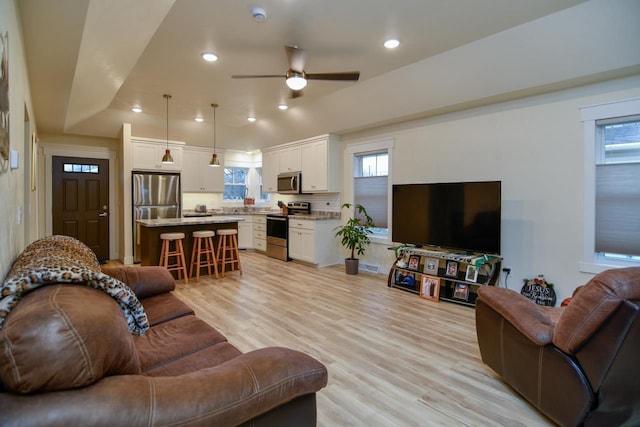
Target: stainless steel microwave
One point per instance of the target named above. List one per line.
(289, 183)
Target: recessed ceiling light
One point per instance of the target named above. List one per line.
(251, 119)
(136, 110)
(283, 106)
(259, 14)
(391, 44)
(199, 119)
(210, 57)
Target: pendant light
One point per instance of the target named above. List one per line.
(167, 159)
(214, 162)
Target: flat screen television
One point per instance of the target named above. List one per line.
(452, 215)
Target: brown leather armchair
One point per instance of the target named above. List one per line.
(578, 364)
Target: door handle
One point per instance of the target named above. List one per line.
(103, 214)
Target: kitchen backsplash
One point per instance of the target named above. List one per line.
(320, 203)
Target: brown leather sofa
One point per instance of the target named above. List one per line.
(578, 364)
(68, 359)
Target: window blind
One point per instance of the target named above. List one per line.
(618, 208)
(371, 192)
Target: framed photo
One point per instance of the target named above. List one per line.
(405, 279)
(452, 269)
(461, 292)
(430, 288)
(431, 265)
(472, 273)
(414, 262)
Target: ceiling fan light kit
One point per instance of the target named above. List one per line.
(167, 159)
(296, 80)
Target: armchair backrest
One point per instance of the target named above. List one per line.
(593, 305)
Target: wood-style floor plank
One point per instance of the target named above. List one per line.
(393, 359)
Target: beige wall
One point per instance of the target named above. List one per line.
(18, 204)
(535, 147)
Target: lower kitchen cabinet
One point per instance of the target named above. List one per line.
(260, 233)
(245, 233)
(313, 241)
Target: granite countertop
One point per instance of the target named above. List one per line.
(166, 222)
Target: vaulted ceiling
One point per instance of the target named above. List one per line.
(91, 61)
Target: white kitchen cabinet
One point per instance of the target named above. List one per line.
(260, 232)
(197, 175)
(321, 165)
(245, 232)
(313, 241)
(289, 159)
(270, 167)
(147, 155)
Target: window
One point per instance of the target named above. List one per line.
(612, 193)
(235, 183)
(371, 184)
(263, 196)
(618, 189)
(72, 167)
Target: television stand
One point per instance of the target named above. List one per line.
(458, 274)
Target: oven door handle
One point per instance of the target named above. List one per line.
(276, 218)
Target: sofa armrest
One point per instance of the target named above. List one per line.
(227, 394)
(144, 281)
(536, 322)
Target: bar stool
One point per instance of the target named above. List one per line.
(178, 252)
(228, 245)
(198, 251)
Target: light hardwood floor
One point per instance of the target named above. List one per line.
(393, 359)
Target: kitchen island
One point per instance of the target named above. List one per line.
(151, 229)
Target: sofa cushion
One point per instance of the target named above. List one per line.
(83, 327)
(163, 308)
(206, 357)
(169, 341)
(144, 281)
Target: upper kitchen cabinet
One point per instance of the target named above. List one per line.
(270, 165)
(289, 159)
(321, 165)
(197, 175)
(319, 160)
(147, 155)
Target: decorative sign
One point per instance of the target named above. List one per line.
(539, 291)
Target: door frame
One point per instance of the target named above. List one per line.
(51, 150)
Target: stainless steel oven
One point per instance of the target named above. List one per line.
(277, 231)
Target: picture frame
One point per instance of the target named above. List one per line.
(430, 288)
(472, 273)
(461, 292)
(431, 266)
(414, 262)
(452, 269)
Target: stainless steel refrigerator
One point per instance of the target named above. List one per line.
(155, 195)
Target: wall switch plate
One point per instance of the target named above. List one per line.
(13, 159)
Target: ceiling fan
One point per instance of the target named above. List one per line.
(296, 78)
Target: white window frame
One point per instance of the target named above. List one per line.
(361, 148)
(591, 263)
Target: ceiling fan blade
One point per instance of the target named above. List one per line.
(296, 93)
(295, 56)
(346, 75)
(257, 76)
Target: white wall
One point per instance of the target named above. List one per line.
(535, 147)
(14, 182)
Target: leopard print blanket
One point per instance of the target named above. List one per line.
(63, 259)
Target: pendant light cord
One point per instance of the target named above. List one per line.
(167, 97)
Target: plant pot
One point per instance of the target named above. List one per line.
(351, 265)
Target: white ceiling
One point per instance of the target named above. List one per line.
(90, 61)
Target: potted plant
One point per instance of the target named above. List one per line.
(355, 236)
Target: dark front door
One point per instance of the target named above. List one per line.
(81, 201)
